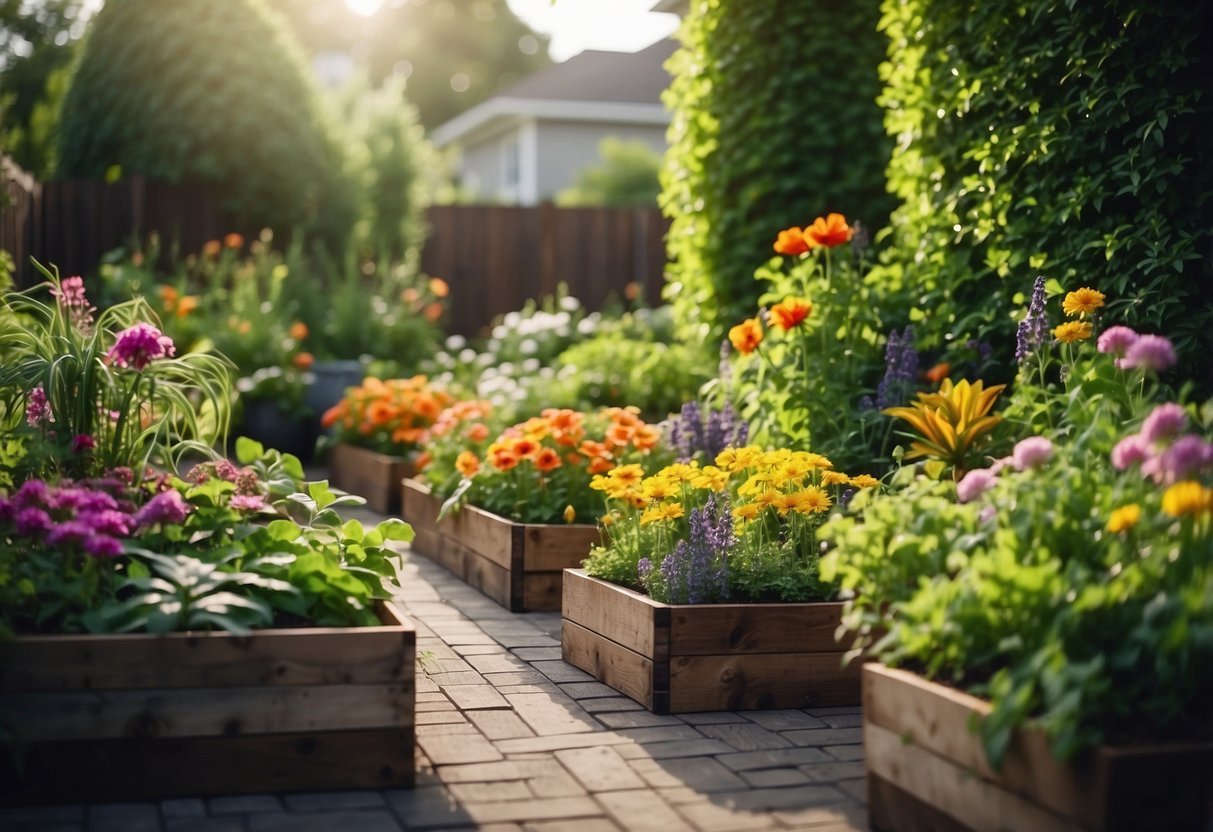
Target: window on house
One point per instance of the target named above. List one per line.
(511, 169)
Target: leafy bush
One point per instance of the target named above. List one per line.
(212, 92)
(626, 175)
(1057, 137)
(774, 115)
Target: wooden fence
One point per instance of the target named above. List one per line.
(493, 257)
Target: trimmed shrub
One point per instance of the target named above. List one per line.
(1051, 137)
(212, 92)
(774, 122)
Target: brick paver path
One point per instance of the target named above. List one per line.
(509, 737)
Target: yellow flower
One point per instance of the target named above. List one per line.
(710, 478)
(950, 421)
(810, 501)
(1186, 498)
(665, 511)
(864, 481)
(570, 514)
(746, 511)
(1124, 518)
(734, 459)
(658, 488)
(627, 474)
(829, 478)
(1072, 331)
(1082, 302)
(768, 498)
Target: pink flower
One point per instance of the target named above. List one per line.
(1115, 340)
(975, 483)
(247, 502)
(1130, 452)
(70, 295)
(102, 546)
(82, 442)
(167, 507)
(1164, 423)
(1188, 455)
(30, 521)
(38, 410)
(139, 346)
(1151, 352)
(1032, 452)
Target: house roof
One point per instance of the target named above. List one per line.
(591, 86)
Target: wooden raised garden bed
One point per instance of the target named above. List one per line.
(371, 475)
(518, 565)
(145, 717)
(705, 657)
(927, 770)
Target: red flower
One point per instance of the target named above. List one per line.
(791, 312)
(792, 241)
(831, 230)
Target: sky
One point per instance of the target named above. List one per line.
(612, 25)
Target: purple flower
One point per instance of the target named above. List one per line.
(247, 502)
(644, 568)
(1150, 352)
(122, 473)
(975, 483)
(73, 531)
(1032, 452)
(82, 442)
(1033, 330)
(697, 571)
(139, 346)
(165, 508)
(38, 410)
(1188, 455)
(692, 435)
(1130, 452)
(1164, 423)
(70, 295)
(900, 369)
(102, 546)
(73, 498)
(31, 521)
(31, 493)
(1116, 340)
(107, 521)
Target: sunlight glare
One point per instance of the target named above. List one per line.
(366, 8)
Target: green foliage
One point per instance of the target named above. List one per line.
(626, 175)
(1051, 136)
(774, 117)
(209, 92)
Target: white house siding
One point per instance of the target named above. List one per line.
(567, 147)
(482, 171)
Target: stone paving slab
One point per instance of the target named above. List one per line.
(512, 739)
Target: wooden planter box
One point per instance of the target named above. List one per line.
(374, 476)
(927, 770)
(145, 717)
(518, 565)
(705, 657)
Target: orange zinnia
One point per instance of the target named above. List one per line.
(304, 360)
(477, 432)
(439, 287)
(831, 230)
(793, 241)
(298, 330)
(468, 464)
(504, 461)
(790, 313)
(524, 448)
(233, 240)
(186, 305)
(547, 459)
(746, 336)
(600, 465)
(938, 373)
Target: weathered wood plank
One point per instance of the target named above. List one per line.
(549, 548)
(486, 534)
(375, 477)
(891, 809)
(276, 658)
(109, 770)
(618, 614)
(764, 680)
(613, 664)
(482, 574)
(541, 591)
(710, 629)
(205, 712)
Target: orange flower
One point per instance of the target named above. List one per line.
(477, 432)
(525, 448)
(211, 248)
(422, 461)
(303, 360)
(439, 287)
(646, 437)
(233, 240)
(410, 295)
(631, 290)
(938, 373)
(618, 434)
(433, 312)
(790, 313)
(168, 294)
(244, 327)
(298, 330)
(792, 241)
(334, 413)
(504, 461)
(187, 305)
(547, 460)
(746, 336)
(831, 230)
(600, 465)
(468, 464)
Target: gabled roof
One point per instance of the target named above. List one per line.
(591, 86)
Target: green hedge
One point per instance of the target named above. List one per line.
(206, 91)
(1055, 137)
(774, 122)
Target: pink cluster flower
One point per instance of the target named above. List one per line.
(1162, 451)
(1032, 452)
(70, 295)
(166, 508)
(1116, 340)
(68, 515)
(247, 502)
(1150, 352)
(38, 409)
(139, 345)
(975, 483)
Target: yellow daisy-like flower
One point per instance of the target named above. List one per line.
(756, 484)
(1124, 518)
(734, 459)
(710, 478)
(768, 498)
(812, 501)
(1072, 331)
(829, 478)
(1187, 498)
(864, 481)
(659, 488)
(746, 511)
(815, 460)
(665, 511)
(600, 483)
(1082, 302)
(628, 474)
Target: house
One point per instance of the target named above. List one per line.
(529, 141)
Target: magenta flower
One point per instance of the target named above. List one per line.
(38, 410)
(109, 521)
(1187, 456)
(975, 483)
(73, 531)
(1150, 352)
(70, 295)
(31, 521)
(226, 470)
(1130, 452)
(31, 493)
(1164, 423)
(102, 546)
(167, 507)
(1116, 340)
(1032, 452)
(247, 502)
(82, 442)
(139, 346)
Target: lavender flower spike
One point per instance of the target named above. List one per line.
(1033, 330)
